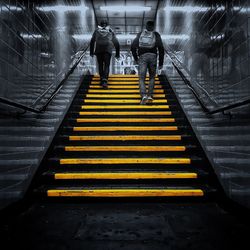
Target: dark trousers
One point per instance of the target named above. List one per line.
(103, 64)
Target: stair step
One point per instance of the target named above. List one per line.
(120, 91)
(115, 82)
(121, 113)
(124, 148)
(114, 120)
(124, 192)
(127, 128)
(122, 87)
(123, 175)
(120, 101)
(125, 106)
(121, 96)
(125, 161)
(126, 138)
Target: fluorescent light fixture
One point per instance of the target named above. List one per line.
(10, 7)
(173, 37)
(82, 36)
(217, 37)
(241, 10)
(28, 36)
(62, 8)
(187, 9)
(125, 36)
(192, 9)
(128, 8)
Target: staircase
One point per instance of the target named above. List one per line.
(111, 146)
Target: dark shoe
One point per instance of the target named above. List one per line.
(104, 83)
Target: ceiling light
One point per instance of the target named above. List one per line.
(82, 36)
(180, 37)
(126, 36)
(31, 36)
(122, 8)
(62, 8)
(187, 9)
(10, 7)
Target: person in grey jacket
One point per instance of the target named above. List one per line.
(102, 42)
(145, 48)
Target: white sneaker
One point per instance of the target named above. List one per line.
(144, 100)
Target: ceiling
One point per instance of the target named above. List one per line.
(125, 22)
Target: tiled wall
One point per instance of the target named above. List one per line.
(37, 43)
(213, 44)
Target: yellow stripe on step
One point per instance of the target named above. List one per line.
(121, 95)
(123, 176)
(125, 107)
(121, 87)
(125, 193)
(123, 78)
(126, 82)
(125, 137)
(136, 101)
(127, 128)
(125, 120)
(126, 113)
(120, 91)
(125, 148)
(125, 161)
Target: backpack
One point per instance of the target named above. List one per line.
(147, 39)
(103, 36)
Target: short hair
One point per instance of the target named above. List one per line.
(150, 23)
(103, 22)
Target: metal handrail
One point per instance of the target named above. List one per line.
(174, 58)
(58, 88)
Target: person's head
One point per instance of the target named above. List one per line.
(150, 25)
(104, 23)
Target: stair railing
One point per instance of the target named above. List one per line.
(210, 105)
(78, 57)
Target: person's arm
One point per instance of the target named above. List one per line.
(92, 44)
(160, 50)
(117, 45)
(134, 47)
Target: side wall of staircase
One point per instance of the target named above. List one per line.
(224, 138)
(25, 140)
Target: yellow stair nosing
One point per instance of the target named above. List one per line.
(95, 82)
(125, 138)
(112, 120)
(125, 106)
(120, 91)
(136, 101)
(125, 148)
(162, 113)
(125, 161)
(120, 87)
(121, 95)
(125, 193)
(127, 128)
(127, 176)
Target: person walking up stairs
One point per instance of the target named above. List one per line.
(144, 48)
